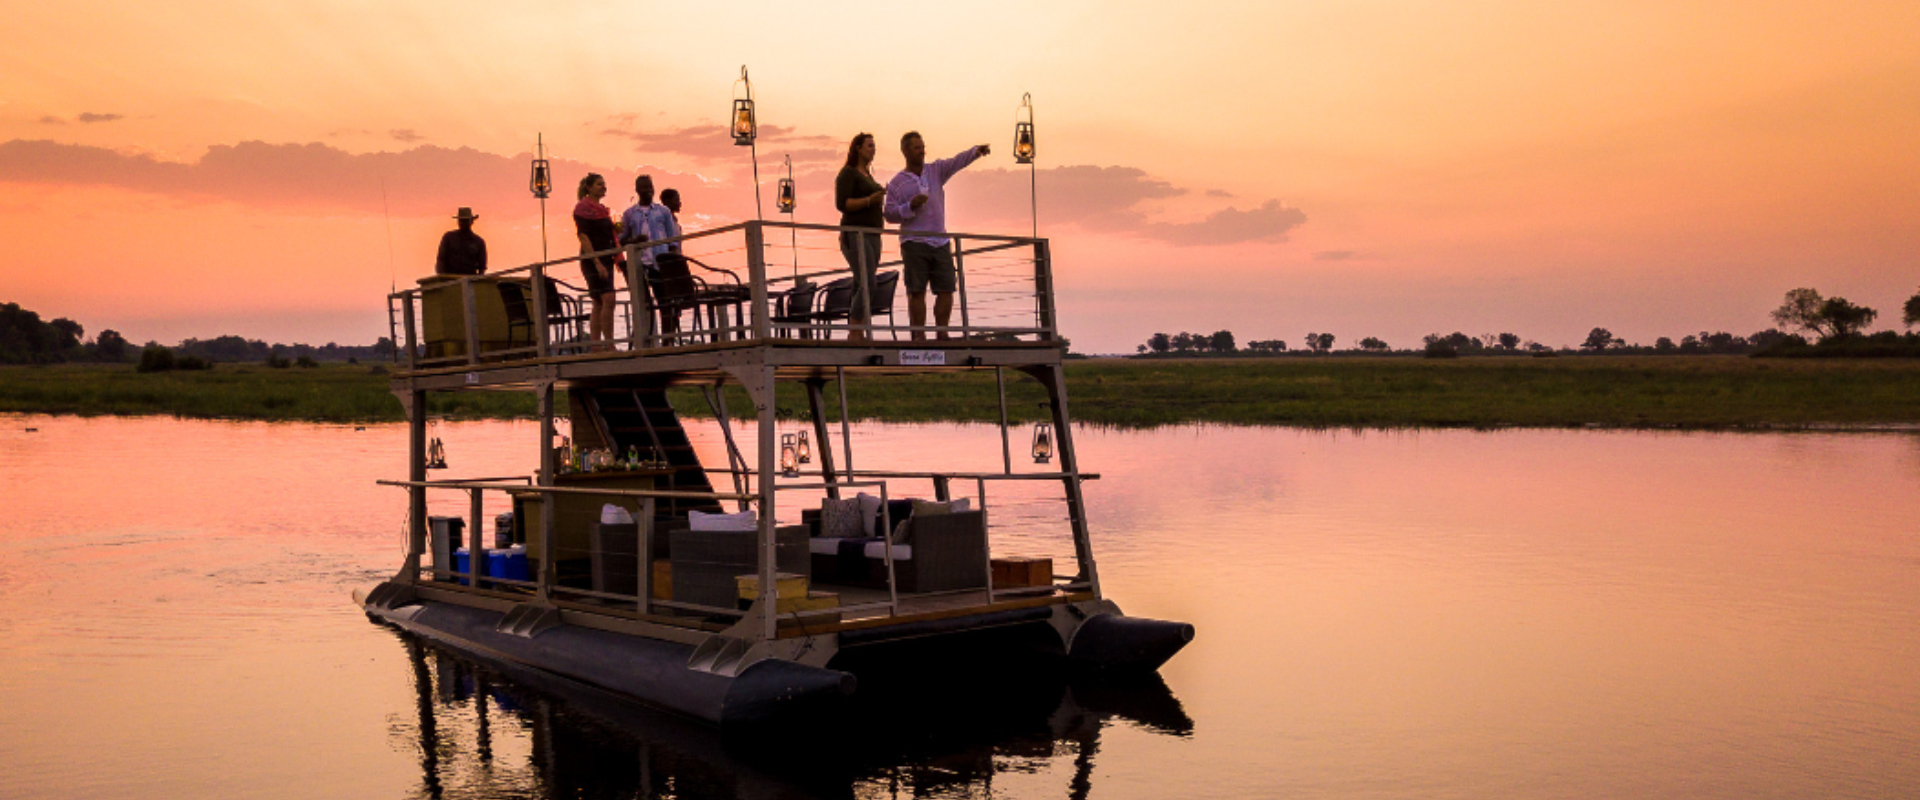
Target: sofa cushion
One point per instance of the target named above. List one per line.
(841, 519)
(901, 552)
(703, 521)
(869, 512)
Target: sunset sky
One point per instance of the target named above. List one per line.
(1383, 169)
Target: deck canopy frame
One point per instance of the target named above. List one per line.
(755, 362)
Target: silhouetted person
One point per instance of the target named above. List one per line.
(462, 252)
(917, 200)
(858, 197)
(594, 225)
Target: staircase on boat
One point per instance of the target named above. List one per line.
(642, 417)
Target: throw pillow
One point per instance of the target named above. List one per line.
(869, 512)
(903, 532)
(928, 508)
(703, 521)
(840, 519)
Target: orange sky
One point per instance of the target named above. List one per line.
(1368, 168)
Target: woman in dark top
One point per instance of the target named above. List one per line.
(594, 224)
(858, 196)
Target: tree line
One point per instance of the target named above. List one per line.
(27, 339)
(1815, 325)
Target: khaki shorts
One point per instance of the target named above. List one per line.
(927, 264)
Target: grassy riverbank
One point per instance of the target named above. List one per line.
(1624, 391)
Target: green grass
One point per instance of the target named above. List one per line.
(1618, 391)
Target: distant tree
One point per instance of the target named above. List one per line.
(307, 362)
(69, 333)
(1825, 317)
(276, 361)
(1222, 341)
(1509, 341)
(1844, 319)
(1182, 342)
(155, 359)
(1537, 347)
(1910, 313)
(110, 346)
(1313, 341)
(1160, 342)
(1437, 346)
(1771, 337)
(1801, 309)
(1461, 341)
(1373, 344)
(1664, 345)
(1690, 344)
(1140, 349)
(1326, 343)
(1598, 339)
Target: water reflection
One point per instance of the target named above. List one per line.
(486, 730)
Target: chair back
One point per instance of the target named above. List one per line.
(880, 298)
(514, 297)
(798, 301)
(672, 281)
(837, 298)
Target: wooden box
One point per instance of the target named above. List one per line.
(1015, 572)
(786, 586)
(662, 579)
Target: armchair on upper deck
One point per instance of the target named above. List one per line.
(676, 291)
(566, 317)
(838, 298)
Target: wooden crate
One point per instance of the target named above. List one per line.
(1016, 572)
(662, 579)
(786, 586)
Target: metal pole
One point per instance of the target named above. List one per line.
(1006, 447)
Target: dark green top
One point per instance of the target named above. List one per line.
(852, 185)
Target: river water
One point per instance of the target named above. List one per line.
(1539, 614)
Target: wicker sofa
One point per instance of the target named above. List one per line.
(943, 552)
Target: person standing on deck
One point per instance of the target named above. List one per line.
(858, 197)
(916, 199)
(593, 223)
(462, 252)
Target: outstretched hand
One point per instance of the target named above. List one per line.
(984, 149)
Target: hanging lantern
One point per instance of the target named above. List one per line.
(789, 458)
(744, 128)
(805, 451)
(436, 454)
(1042, 442)
(1023, 147)
(542, 181)
(786, 189)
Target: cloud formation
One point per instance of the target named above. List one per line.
(714, 143)
(1117, 200)
(91, 117)
(429, 180)
(407, 135)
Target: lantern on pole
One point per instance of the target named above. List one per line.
(1042, 442)
(805, 452)
(789, 459)
(436, 451)
(744, 128)
(1023, 148)
(541, 185)
(786, 188)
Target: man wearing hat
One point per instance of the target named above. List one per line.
(462, 252)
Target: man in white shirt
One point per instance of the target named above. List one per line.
(917, 201)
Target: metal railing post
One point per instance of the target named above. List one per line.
(757, 276)
(1043, 289)
(476, 556)
(541, 302)
(864, 276)
(640, 313)
(472, 320)
(960, 273)
(544, 581)
(413, 338)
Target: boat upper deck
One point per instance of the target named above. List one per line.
(777, 294)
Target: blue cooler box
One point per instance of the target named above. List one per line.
(508, 564)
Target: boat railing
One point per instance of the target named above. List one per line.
(749, 281)
(546, 581)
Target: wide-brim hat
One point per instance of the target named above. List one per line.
(466, 213)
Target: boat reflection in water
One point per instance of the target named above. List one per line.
(494, 731)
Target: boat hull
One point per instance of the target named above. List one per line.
(652, 671)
